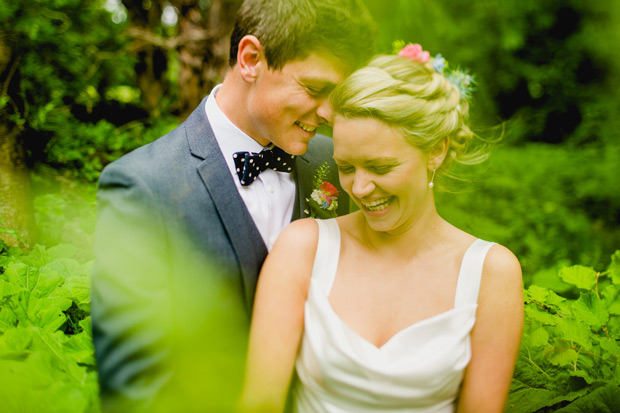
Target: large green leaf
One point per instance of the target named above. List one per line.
(611, 295)
(36, 385)
(561, 353)
(22, 275)
(542, 316)
(590, 309)
(576, 331)
(524, 398)
(614, 267)
(538, 338)
(8, 318)
(15, 340)
(80, 348)
(76, 289)
(611, 346)
(37, 257)
(537, 294)
(50, 319)
(602, 400)
(580, 276)
(7, 289)
(49, 280)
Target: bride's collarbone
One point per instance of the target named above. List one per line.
(396, 283)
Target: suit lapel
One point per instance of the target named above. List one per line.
(303, 188)
(243, 234)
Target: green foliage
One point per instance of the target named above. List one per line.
(84, 148)
(46, 353)
(75, 80)
(65, 214)
(570, 351)
(550, 205)
(68, 52)
(548, 66)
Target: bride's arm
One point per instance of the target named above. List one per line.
(278, 317)
(496, 335)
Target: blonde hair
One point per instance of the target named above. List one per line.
(421, 102)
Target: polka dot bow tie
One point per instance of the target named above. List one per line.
(249, 164)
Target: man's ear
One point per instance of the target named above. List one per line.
(438, 154)
(249, 55)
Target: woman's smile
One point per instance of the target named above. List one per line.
(380, 204)
(385, 175)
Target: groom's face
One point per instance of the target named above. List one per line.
(288, 105)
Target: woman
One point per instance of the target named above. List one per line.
(390, 308)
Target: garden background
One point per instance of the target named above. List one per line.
(85, 81)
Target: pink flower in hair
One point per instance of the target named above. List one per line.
(415, 52)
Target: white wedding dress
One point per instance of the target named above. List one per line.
(419, 369)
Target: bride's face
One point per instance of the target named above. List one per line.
(383, 174)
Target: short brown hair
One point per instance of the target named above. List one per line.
(293, 29)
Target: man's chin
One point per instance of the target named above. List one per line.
(295, 147)
(298, 149)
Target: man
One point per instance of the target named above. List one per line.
(185, 222)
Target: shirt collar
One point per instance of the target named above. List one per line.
(229, 137)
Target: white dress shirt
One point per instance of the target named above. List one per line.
(269, 199)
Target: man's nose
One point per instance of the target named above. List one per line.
(324, 112)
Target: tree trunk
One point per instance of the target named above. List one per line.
(145, 17)
(16, 208)
(202, 43)
(203, 55)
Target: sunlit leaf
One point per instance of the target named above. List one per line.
(538, 337)
(591, 309)
(561, 353)
(537, 294)
(580, 276)
(7, 289)
(602, 400)
(576, 332)
(540, 315)
(614, 267)
(611, 294)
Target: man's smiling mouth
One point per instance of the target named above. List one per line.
(307, 128)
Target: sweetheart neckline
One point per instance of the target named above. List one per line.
(334, 267)
(399, 332)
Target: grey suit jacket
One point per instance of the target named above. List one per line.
(175, 246)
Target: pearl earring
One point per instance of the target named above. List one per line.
(431, 184)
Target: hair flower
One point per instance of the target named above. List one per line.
(323, 200)
(439, 63)
(415, 52)
(460, 78)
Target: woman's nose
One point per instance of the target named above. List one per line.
(362, 184)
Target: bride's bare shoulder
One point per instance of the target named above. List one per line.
(305, 229)
(299, 240)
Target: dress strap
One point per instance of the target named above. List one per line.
(327, 254)
(470, 274)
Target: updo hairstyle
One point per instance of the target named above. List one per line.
(423, 103)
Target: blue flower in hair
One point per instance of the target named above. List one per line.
(439, 63)
(463, 81)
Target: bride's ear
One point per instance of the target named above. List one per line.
(438, 153)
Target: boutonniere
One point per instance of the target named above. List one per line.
(323, 200)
